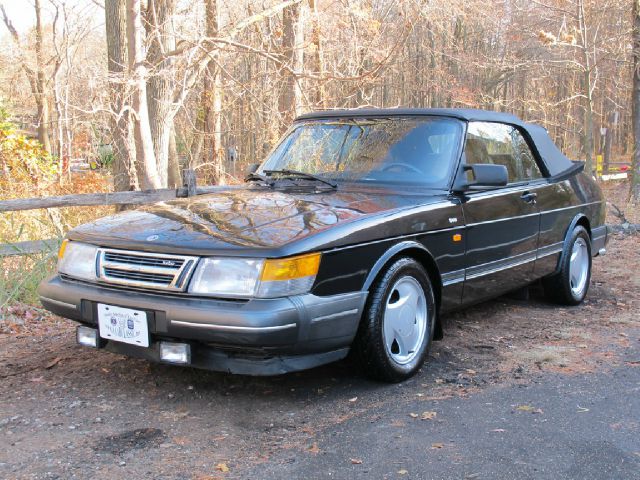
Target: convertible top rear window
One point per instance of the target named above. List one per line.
(412, 151)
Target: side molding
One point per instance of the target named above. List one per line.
(393, 251)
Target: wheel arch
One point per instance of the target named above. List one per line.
(422, 255)
(579, 220)
(582, 220)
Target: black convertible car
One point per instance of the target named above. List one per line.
(357, 233)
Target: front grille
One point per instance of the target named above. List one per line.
(138, 260)
(147, 270)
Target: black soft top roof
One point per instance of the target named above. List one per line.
(555, 161)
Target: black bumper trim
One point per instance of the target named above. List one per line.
(210, 359)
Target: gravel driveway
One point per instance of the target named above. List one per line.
(517, 389)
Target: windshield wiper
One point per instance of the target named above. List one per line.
(256, 177)
(297, 174)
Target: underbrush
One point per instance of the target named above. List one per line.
(53, 222)
(28, 171)
(20, 276)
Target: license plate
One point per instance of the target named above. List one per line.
(123, 325)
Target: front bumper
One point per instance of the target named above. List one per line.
(256, 337)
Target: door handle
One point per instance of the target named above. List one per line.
(529, 197)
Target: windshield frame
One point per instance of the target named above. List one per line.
(446, 183)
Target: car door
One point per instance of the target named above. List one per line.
(502, 224)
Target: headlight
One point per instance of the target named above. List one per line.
(240, 277)
(78, 260)
(227, 277)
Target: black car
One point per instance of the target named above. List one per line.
(357, 233)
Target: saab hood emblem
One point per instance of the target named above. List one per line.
(152, 238)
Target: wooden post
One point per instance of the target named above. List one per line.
(189, 182)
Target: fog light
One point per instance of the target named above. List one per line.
(87, 336)
(175, 352)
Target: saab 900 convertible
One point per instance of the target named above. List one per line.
(356, 234)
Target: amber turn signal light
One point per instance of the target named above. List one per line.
(63, 248)
(290, 268)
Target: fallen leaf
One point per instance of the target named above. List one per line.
(353, 399)
(314, 448)
(470, 372)
(222, 467)
(402, 472)
(498, 430)
(413, 415)
(356, 461)
(439, 380)
(182, 441)
(525, 408)
(428, 415)
(437, 445)
(582, 409)
(53, 363)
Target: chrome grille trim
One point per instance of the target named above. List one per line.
(158, 271)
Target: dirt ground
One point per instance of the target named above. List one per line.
(71, 412)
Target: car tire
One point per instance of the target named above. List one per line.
(570, 284)
(396, 330)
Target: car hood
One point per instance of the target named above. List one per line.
(241, 220)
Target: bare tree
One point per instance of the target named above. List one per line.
(635, 103)
(36, 77)
(317, 54)
(212, 101)
(146, 166)
(290, 101)
(161, 39)
(124, 174)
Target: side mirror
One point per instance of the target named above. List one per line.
(483, 175)
(251, 168)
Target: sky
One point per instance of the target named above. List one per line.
(22, 15)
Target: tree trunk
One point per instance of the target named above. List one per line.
(124, 175)
(318, 55)
(290, 100)
(174, 178)
(42, 103)
(635, 104)
(146, 166)
(212, 154)
(159, 16)
(588, 96)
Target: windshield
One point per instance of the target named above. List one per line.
(417, 151)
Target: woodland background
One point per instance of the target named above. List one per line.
(105, 95)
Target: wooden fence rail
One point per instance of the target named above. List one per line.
(88, 199)
(29, 247)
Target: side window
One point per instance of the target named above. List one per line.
(501, 144)
(526, 161)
